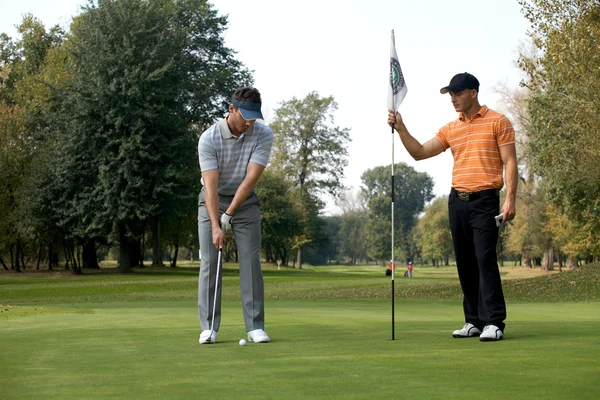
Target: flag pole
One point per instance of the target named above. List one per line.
(396, 92)
(393, 266)
(392, 194)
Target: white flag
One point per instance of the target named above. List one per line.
(397, 87)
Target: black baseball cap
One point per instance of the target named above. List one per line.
(461, 82)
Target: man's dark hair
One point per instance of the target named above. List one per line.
(249, 94)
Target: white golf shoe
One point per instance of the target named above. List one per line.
(258, 336)
(469, 330)
(491, 333)
(207, 338)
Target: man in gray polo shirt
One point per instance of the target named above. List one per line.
(233, 154)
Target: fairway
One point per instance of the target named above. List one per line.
(120, 346)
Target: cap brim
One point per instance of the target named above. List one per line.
(250, 115)
(454, 89)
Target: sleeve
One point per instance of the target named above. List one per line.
(262, 152)
(505, 134)
(442, 136)
(207, 153)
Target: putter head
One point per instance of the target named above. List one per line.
(498, 219)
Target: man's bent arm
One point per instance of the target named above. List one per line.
(417, 150)
(253, 172)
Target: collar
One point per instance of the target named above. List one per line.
(226, 132)
(482, 111)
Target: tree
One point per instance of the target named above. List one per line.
(563, 108)
(146, 76)
(434, 228)
(23, 98)
(279, 218)
(411, 192)
(311, 152)
(13, 159)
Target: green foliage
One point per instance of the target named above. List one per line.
(434, 228)
(13, 162)
(279, 218)
(412, 190)
(308, 148)
(564, 81)
(147, 75)
(353, 234)
(310, 151)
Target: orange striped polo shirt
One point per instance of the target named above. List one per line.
(475, 146)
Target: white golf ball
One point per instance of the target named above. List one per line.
(242, 342)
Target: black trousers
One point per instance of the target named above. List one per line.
(475, 235)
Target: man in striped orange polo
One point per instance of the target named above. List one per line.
(482, 142)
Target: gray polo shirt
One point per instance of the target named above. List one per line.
(219, 149)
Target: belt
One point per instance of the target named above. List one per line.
(466, 196)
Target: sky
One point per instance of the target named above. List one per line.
(341, 48)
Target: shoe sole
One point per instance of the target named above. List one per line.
(464, 337)
(490, 339)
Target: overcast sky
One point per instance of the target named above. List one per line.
(340, 48)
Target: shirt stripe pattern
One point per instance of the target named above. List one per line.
(219, 149)
(475, 144)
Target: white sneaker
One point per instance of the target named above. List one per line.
(491, 333)
(258, 336)
(207, 338)
(469, 330)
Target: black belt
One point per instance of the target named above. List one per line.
(466, 196)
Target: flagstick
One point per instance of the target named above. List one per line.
(393, 269)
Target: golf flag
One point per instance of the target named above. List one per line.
(397, 86)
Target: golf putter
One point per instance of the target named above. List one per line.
(212, 322)
(499, 219)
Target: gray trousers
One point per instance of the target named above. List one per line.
(246, 228)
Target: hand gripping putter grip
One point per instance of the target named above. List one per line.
(498, 219)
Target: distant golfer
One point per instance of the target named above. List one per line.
(233, 154)
(482, 142)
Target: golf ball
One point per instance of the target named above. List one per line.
(242, 342)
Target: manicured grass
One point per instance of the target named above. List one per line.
(106, 335)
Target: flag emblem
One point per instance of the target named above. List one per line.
(396, 77)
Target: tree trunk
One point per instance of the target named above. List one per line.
(3, 265)
(20, 245)
(299, 257)
(560, 260)
(90, 259)
(67, 256)
(157, 259)
(124, 260)
(17, 265)
(39, 257)
(135, 253)
(50, 257)
(571, 262)
(526, 261)
(548, 259)
(174, 260)
(12, 258)
(70, 247)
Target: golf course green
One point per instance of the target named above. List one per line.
(104, 335)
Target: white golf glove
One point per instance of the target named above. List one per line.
(226, 222)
